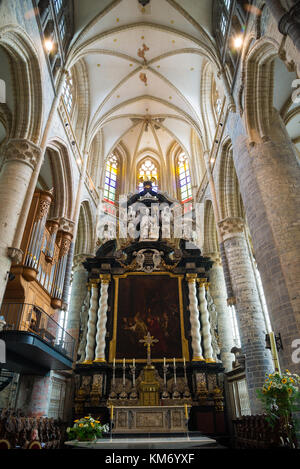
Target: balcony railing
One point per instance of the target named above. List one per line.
(30, 318)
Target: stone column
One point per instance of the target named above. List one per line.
(194, 318)
(84, 325)
(218, 292)
(91, 332)
(102, 319)
(206, 335)
(288, 21)
(269, 181)
(249, 311)
(20, 157)
(78, 293)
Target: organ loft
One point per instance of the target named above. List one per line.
(149, 224)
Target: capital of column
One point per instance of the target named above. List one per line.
(93, 283)
(203, 282)
(215, 257)
(21, 150)
(191, 278)
(77, 262)
(105, 278)
(231, 227)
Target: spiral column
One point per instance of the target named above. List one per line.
(91, 331)
(206, 334)
(102, 319)
(194, 318)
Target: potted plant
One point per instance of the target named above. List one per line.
(87, 429)
(281, 398)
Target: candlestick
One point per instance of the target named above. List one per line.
(164, 361)
(114, 364)
(175, 379)
(174, 362)
(133, 362)
(123, 362)
(112, 412)
(184, 361)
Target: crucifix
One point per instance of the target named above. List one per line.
(148, 341)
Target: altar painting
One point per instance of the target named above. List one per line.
(149, 303)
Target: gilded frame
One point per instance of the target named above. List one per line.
(184, 341)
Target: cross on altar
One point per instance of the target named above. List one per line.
(148, 341)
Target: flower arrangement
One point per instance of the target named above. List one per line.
(87, 429)
(281, 397)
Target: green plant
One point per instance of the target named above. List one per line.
(87, 429)
(281, 398)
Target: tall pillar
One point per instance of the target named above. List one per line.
(218, 292)
(269, 180)
(78, 293)
(102, 319)
(249, 311)
(91, 332)
(288, 21)
(20, 157)
(206, 334)
(84, 325)
(194, 318)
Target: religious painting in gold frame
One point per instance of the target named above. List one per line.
(148, 302)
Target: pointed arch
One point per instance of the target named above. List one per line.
(229, 193)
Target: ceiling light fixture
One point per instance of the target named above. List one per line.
(49, 45)
(238, 41)
(144, 2)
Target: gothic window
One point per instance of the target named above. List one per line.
(227, 4)
(223, 24)
(62, 28)
(68, 93)
(58, 5)
(111, 179)
(184, 178)
(148, 172)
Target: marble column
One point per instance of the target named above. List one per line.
(248, 307)
(218, 291)
(91, 331)
(20, 157)
(84, 325)
(102, 319)
(205, 330)
(194, 318)
(78, 293)
(269, 181)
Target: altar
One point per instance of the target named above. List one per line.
(149, 291)
(154, 419)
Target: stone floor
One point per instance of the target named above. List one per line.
(181, 442)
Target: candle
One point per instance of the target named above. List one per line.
(112, 412)
(186, 411)
(133, 362)
(164, 361)
(184, 361)
(114, 365)
(174, 362)
(124, 362)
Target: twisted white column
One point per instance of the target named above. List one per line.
(84, 325)
(91, 332)
(194, 318)
(206, 335)
(102, 319)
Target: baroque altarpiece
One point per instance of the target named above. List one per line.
(149, 284)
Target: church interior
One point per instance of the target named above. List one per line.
(149, 221)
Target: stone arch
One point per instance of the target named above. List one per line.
(58, 161)
(210, 244)
(259, 85)
(27, 112)
(229, 193)
(85, 230)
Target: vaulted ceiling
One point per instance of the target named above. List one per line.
(144, 68)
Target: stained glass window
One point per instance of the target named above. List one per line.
(58, 5)
(62, 28)
(68, 93)
(148, 172)
(111, 179)
(184, 178)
